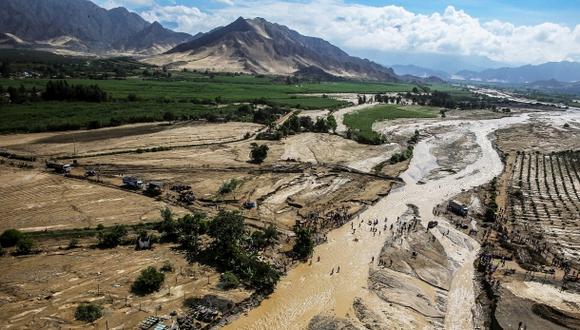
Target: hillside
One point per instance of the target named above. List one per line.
(81, 26)
(258, 46)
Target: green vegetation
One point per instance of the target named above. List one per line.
(229, 186)
(111, 239)
(88, 312)
(296, 124)
(229, 280)
(167, 267)
(304, 245)
(258, 153)
(149, 281)
(10, 237)
(360, 123)
(25, 246)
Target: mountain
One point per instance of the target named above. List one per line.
(82, 26)
(420, 72)
(258, 46)
(572, 88)
(559, 71)
(448, 63)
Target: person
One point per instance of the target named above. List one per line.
(373, 259)
(338, 270)
(332, 271)
(318, 259)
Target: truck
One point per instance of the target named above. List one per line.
(132, 182)
(457, 208)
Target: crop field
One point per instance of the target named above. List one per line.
(363, 120)
(545, 190)
(231, 89)
(52, 116)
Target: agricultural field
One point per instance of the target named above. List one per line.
(362, 121)
(545, 200)
(36, 201)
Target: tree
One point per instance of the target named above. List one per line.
(10, 237)
(149, 281)
(258, 153)
(331, 122)
(304, 245)
(190, 228)
(88, 312)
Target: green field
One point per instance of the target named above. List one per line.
(362, 121)
(229, 88)
(52, 116)
(183, 94)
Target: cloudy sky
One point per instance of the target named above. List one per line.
(513, 32)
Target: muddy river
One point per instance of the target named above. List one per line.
(317, 289)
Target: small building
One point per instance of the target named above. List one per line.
(132, 182)
(457, 208)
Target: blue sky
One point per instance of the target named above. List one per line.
(509, 32)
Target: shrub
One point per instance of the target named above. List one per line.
(229, 280)
(108, 240)
(167, 267)
(149, 281)
(10, 237)
(88, 312)
(73, 243)
(229, 186)
(2, 252)
(24, 246)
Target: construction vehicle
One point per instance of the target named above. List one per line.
(58, 167)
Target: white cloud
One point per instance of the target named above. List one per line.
(226, 2)
(392, 29)
(125, 3)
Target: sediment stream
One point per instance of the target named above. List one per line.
(316, 291)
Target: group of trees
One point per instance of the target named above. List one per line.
(60, 90)
(233, 249)
(20, 95)
(12, 237)
(296, 124)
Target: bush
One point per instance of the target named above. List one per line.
(88, 312)
(73, 243)
(229, 280)
(167, 267)
(24, 246)
(229, 186)
(10, 237)
(108, 240)
(2, 252)
(149, 281)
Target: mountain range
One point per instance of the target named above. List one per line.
(80, 26)
(560, 71)
(258, 46)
